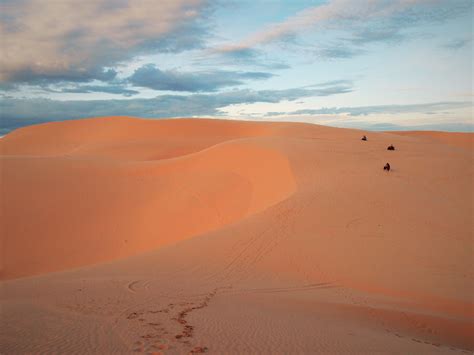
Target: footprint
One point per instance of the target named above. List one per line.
(133, 315)
(198, 350)
(131, 286)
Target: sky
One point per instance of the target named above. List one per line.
(368, 64)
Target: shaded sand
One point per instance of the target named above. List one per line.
(191, 236)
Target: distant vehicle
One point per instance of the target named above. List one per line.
(390, 147)
(364, 138)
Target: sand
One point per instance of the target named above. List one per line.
(123, 235)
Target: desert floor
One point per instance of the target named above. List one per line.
(123, 235)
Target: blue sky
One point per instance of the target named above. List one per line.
(370, 64)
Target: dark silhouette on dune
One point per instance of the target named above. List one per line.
(364, 138)
(390, 147)
(387, 167)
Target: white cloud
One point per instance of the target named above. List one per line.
(78, 40)
(338, 14)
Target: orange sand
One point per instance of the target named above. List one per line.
(177, 236)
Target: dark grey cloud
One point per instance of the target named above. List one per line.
(15, 113)
(33, 77)
(117, 87)
(171, 80)
(339, 52)
(426, 108)
(333, 83)
(457, 43)
(109, 89)
(148, 76)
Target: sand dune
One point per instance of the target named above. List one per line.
(182, 236)
(114, 198)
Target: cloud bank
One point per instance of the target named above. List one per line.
(66, 41)
(427, 108)
(150, 76)
(15, 113)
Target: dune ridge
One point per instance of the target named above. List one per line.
(197, 235)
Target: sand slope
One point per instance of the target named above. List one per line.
(240, 237)
(106, 197)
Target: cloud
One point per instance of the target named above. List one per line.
(384, 33)
(457, 43)
(150, 76)
(426, 108)
(338, 52)
(246, 57)
(61, 41)
(445, 124)
(30, 77)
(365, 22)
(387, 126)
(109, 89)
(15, 113)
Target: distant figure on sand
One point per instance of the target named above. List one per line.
(364, 138)
(390, 147)
(387, 167)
